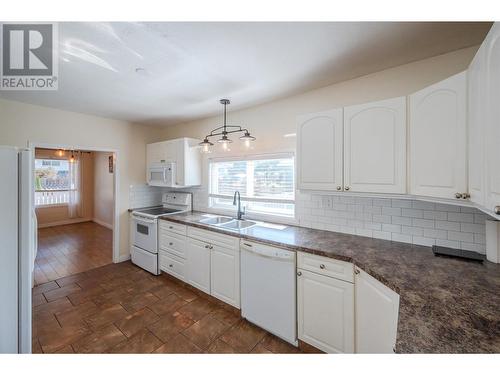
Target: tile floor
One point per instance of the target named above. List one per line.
(69, 249)
(120, 308)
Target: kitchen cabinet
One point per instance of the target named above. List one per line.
(198, 264)
(319, 150)
(492, 132)
(438, 152)
(377, 310)
(184, 153)
(476, 92)
(375, 147)
(325, 305)
(172, 248)
(225, 274)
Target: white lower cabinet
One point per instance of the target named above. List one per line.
(225, 274)
(198, 264)
(325, 312)
(377, 309)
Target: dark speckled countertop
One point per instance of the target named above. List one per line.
(446, 305)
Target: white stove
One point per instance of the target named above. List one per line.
(144, 229)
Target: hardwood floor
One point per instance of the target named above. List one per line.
(70, 249)
(120, 308)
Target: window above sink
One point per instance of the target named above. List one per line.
(266, 184)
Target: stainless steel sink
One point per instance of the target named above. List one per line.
(238, 224)
(216, 220)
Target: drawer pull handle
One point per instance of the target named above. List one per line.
(247, 244)
(171, 227)
(356, 271)
(322, 266)
(170, 265)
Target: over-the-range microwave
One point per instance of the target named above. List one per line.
(162, 174)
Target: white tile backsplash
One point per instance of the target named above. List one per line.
(402, 220)
(145, 196)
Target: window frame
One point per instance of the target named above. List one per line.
(253, 214)
(64, 204)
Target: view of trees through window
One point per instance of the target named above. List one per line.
(52, 181)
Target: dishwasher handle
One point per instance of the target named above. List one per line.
(268, 252)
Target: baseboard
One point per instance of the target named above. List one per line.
(123, 258)
(104, 224)
(63, 222)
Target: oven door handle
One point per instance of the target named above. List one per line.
(143, 219)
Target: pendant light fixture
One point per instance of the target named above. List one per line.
(223, 131)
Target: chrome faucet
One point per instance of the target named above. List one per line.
(237, 201)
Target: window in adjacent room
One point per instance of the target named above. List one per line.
(266, 184)
(52, 182)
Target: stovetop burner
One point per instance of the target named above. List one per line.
(157, 211)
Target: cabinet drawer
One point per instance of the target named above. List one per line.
(213, 238)
(173, 243)
(326, 266)
(170, 226)
(173, 265)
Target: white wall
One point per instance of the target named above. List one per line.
(103, 190)
(21, 123)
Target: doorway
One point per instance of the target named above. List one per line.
(75, 195)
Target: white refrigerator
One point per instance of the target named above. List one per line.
(17, 248)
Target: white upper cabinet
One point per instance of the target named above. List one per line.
(375, 147)
(438, 139)
(476, 92)
(492, 132)
(319, 151)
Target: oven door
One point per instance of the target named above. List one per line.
(144, 233)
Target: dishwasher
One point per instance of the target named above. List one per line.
(268, 289)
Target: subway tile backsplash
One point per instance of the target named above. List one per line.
(144, 195)
(402, 220)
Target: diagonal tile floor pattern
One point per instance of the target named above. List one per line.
(120, 308)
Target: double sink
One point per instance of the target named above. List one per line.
(227, 222)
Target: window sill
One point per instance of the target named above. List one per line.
(52, 205)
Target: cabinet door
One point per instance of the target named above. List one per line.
(225, 274)
(493, 118)
(476, 91)
(325, 312)
(153, 153)
(437, 139)
(319, 151)
(375, 147)
(198, 264)
(377, 309)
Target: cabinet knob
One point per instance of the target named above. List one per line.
(356, 271)
(346, 188)
(211, 247)
(170, 243)
(458, 195)
(339, 187)
(497, 210)
(322, 266)
(170, 265)
(299, 273)
(465, 195)
(170, 227)
(207, 246)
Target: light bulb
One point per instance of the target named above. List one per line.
(247, 143)
(224, 146)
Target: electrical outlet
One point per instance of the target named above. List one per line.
(326, 202)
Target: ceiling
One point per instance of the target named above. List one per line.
(164, 73)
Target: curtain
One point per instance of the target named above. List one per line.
(75, 193)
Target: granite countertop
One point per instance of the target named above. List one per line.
(446, 305)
